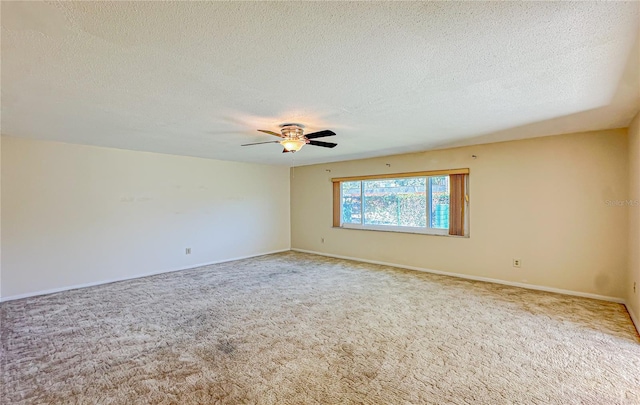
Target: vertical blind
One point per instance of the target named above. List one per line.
(456, 203)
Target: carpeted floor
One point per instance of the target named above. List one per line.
(293, 328)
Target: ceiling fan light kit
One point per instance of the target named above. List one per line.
(293, 138)
(293, 145)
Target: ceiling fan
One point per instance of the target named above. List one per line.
(293, 138)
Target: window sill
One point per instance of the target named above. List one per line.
(396, 230)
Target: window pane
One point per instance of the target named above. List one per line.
(351, 202)
(439, 186)
(395, 202)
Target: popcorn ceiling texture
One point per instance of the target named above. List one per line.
(294, 328)
(198, 78)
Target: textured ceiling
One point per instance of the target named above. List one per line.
(198, 79)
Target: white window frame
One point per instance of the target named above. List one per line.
(428, 230)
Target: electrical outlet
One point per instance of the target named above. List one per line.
(517, 263)
(321, 240)
(187, 251)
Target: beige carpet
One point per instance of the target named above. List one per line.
(293, 328)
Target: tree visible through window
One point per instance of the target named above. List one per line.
(396, 202)
(439, 192)
(352, 202)
(413, 202)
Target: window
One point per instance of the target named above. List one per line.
(410, 202)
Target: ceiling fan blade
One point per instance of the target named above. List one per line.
(259, 143)
(285, 151)
(320, 134)
(271, 133)
(323, 144)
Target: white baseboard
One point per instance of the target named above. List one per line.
(92, 284)
(476, 278)
(634, 317)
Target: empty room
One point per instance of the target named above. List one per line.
(320, 202)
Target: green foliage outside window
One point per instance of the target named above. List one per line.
(397, 202)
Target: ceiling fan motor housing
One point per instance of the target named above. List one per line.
(292, 131)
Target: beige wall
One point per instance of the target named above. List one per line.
(633, 298)
(541, 200)
(75, 214)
